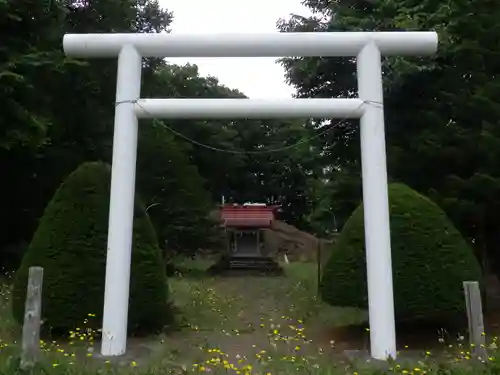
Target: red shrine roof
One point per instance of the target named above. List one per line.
(247, 215)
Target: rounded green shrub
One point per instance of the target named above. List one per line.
(70, 244)
(430, 260)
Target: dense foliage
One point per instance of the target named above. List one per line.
(443, 133)
(443, 137)
(178, 202)
(70, 245)
(45, 137)
(430, 260)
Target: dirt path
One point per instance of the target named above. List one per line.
(250, 309)
(244, 317)
(239, 316)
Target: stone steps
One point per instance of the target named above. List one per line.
(246, 265)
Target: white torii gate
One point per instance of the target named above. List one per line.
(367, 47)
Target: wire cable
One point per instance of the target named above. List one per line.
(255, 152)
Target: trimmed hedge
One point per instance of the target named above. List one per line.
(429, 256)
(70, 244)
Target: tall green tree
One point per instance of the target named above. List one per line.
(58, 111)
(441, 112)
(59, 114)
(174, 192)
(28, 62)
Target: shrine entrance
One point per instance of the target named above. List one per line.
(368, 49)
(244, 243)
(244, 225)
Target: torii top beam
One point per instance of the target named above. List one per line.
(251, 45)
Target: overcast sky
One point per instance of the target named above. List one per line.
(255, 77)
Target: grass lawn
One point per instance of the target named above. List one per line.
(234, 325)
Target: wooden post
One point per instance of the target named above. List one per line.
(475, 318)
(32, 318)
(319, 249)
